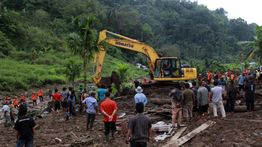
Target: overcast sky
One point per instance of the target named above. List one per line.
(249, 10)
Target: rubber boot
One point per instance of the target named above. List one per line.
(113, 135)
(107, 138)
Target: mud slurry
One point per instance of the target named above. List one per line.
(237, 130)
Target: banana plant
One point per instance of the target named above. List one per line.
(253, 49)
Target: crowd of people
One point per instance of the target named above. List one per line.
(209, 92)
(189, 100)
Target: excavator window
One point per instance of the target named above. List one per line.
(168, 68)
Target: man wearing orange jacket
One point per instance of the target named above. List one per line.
(40, 94)
(34, 98)
(15, 102)
(23, 98)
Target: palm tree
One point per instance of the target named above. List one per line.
(83, 42)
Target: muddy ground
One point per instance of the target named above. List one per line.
(238, 129)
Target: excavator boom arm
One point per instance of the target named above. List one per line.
(121, 41)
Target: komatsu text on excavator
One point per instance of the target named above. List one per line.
(160, 68)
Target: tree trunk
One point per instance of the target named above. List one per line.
(159, 101)
(85, 73)
(73, 84)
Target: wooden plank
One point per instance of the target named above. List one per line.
(193, 133)
(176, 136)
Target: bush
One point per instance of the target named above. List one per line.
(52, 80)
(11, 84)
(5, 45)
(20, 55)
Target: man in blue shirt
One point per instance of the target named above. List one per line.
(140, 97)
(241, 82)
(91, 110)
(101, 92)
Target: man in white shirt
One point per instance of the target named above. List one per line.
(7, 117)
(217, 100)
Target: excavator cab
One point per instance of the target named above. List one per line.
(168, 67)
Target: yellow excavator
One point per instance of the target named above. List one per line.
(161, 68)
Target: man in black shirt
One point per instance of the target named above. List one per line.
(139, 128)
(25, 128)
(250, 88)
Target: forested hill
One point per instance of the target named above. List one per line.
(174, 27)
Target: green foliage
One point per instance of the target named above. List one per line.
(252, 49)
(112, 64)
(40, 40)
(5, 45)
(259, 43)
(36, 35)
(18, 75)
(122, 70)
(72, 70)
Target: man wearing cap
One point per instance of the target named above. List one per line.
(91, 110)
(140, 97)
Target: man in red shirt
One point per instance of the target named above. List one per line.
(57, 99)
(209, 77)
(108, 108)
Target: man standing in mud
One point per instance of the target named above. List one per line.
(57, 99)
(91, 104)
(217, 100)
(176, 95)
(40, 95)
(7, 114)
(25, 128)
(188, 102)
(108, 108)
(250, 94)
(202, 99)
(139, 128)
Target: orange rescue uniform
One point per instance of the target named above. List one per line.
(33, 97)
(23, 98)
(40, 93)
(15, 102)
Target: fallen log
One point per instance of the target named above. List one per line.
(184, 139)
(159, 101)
(162, 112)
(243, 108)
(242, 119)
(159, 111)
(120, 97)
(83, 142)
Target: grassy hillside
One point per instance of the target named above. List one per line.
(49, 69)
